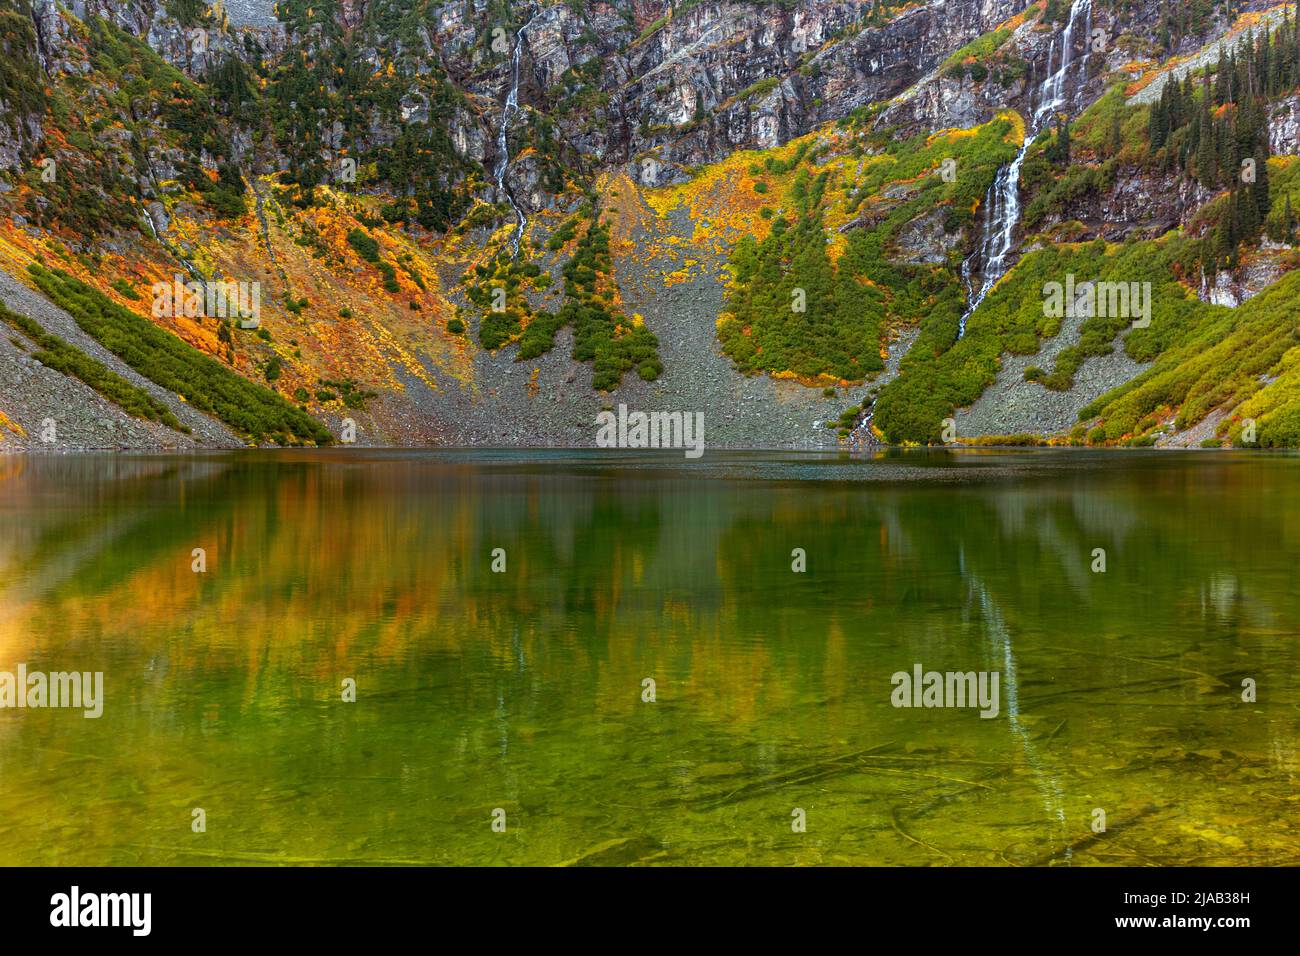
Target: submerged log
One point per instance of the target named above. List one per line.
(1090, 839)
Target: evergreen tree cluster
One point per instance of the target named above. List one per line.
(1216, 131)
(1184, 18)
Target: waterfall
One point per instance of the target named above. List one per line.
(503, 148)
(1002, 205)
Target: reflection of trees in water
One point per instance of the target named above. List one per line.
(324, 568)
(61, 515)
(316, 561)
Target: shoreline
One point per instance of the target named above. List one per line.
(860, 452)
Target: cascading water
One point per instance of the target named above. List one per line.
(1002, 205)
(503, 148)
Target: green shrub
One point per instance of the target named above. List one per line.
(364, 245)
(124, 288)
(352, 396)
(761, 88)
(563, 235)
(163, 358)
(602, 336)
(981, 48)
(790, 309)
(61, 356)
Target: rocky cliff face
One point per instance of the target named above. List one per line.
(724, 77)
(618, 81)
(1284, 126)
(1121, 41)
(1138, 203)
(21, 81)
(694, 87)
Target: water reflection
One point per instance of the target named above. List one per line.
(523, 689)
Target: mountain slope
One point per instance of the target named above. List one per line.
(483, 223)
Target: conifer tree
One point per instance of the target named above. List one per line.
(1258, 190)
(1158, 125)
(1207, 172)
(1222, 89)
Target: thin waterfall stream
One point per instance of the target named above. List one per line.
(1002, 206)
(503, 147)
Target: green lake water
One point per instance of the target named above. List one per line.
(523, 690)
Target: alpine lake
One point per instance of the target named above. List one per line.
(620, 658)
